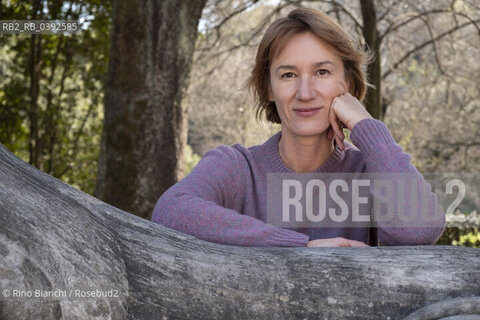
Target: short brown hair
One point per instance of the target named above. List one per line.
(302, 20)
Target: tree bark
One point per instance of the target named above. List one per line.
(152, 45)
(373, 99)
(55, 237)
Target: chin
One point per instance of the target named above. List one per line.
(309, 130)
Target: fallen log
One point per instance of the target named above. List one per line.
(66, 254)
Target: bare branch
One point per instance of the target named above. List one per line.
(334, 4)
(255, 33)
(392, 27)
(234, 13)
(452, 7)
(474, 22)
(388, 10)
(426, 43)
(434, 44)
(217, 28)
(337, 13)
(357, 23)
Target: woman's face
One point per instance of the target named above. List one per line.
(304, 79)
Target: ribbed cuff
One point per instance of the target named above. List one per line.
(368, 134)
(287, 238)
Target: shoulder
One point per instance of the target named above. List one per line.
(235, 157)
(219, 172)
(223, 156)
(243, 159)
(224, 153)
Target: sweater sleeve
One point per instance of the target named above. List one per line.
(200, 204)
(383, 155)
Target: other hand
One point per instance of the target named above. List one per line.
(345, 112)
(336, 242)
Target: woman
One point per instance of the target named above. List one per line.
(308, 77)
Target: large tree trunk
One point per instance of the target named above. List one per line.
(373, 99)
(55, 237)
(144, 134)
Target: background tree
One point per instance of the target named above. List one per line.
(144, 132)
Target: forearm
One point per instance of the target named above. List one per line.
(412, 221)
(208, 221)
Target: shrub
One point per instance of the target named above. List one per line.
(463, 229)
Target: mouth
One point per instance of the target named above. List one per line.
(306, 112)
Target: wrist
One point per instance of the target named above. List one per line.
(368, 135)
(356, 121)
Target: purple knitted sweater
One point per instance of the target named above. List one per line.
(223, 199)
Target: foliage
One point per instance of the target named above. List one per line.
(57, 130)
(469, 240)
(462, 229)
(191, 159)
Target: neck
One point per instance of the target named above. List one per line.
(305, 154)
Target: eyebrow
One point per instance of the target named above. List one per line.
(316, 65)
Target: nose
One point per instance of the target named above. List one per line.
(305, 89)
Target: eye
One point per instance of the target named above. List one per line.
(323, 72)
(287, 75)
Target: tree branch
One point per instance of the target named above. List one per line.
(394, 25)
(424, 44)
(357, 23)
(234, 13)
(434, 45)
(217, 28)
(394, 3)
(55, 237)
(254, 34)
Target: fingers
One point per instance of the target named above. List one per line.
(336, 242)
(330, 133)
(339, 136)
(355, 243)
(350, 243)
(336, 126)
(340, 143)
(334, 121)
